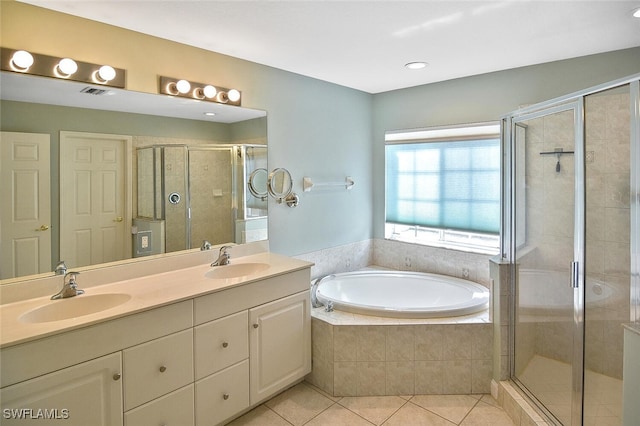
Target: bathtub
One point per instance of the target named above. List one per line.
(400, 294)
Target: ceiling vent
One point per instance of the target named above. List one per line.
(94, 91)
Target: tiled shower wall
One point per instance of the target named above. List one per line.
(607, 173)
(608, 227)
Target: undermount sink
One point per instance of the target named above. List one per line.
(73, 307)
(236, 270)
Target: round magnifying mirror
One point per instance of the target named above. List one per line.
(258, 183)
(279, 184)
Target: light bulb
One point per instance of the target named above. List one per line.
(209, 91)
(183, 86)
(222, 97)
(106, 73)
(234, 95)
(21, 60)
(66, 67)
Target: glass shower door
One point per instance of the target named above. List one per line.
(548, 240)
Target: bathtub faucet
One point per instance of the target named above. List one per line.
(314, 289)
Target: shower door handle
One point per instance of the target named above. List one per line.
(575, 275)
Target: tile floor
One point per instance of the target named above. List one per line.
(304, 404)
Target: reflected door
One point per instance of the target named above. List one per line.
(549, 217)
(25, 191)
(93, 198)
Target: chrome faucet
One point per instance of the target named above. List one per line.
(223, 257)
(70, 287)
(61, 268)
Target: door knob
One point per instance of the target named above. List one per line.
(118, 219)
(43, 228)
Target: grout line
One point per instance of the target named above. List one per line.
(472, 408)
(276, 413)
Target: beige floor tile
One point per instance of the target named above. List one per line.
(323, 393)
(484, 414)
(489, 400)
(412, 415)
(336, 415)
(375, 409)
(452, 407)
(260, 416)
(299, 404)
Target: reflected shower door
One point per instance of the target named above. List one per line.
(547, 337)
(213, 210)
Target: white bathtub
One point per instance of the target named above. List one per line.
(401, 294)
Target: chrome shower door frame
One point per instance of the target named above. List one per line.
(577, 371)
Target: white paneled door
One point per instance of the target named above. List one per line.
(25, 210)
(94, 198)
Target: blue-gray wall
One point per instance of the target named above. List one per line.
(485, 97)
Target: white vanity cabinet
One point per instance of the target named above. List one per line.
(280, 344)
(200, 361)
(156, 368)
(89, 393)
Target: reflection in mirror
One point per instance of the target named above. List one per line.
(258, 183)
(280, 184)
(185, 177)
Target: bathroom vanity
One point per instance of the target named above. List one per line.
(196, 346)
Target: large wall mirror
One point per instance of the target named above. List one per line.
(90, 176)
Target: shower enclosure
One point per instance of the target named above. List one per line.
(187, 194)
(572, 237)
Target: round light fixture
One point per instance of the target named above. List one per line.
(209, 91)
(222, 97)
(66, 67)
(183, 86)
(107, 73)
(417, 65)
(234, 95)
(21, 60)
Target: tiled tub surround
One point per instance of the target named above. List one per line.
(359, 355)
(401, 256)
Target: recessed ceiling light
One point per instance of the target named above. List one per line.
(636, 13)
(415, 65)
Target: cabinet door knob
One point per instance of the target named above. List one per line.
(116, 376)
(225, 396)
(225, 344)
(256, 325)
(163, 369)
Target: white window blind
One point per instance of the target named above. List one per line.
(450, 181)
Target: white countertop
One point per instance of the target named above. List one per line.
(146, 293)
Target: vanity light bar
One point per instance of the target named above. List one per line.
(24, 62)
(200, 91)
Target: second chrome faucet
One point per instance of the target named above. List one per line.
(224, 258)
(69, 288)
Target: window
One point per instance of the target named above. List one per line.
(443, 187)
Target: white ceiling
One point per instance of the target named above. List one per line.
(364, 44)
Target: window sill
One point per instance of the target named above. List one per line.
(447, 245)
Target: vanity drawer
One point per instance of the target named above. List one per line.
(158, 367)
(175, 408)
(222, 395)
(221, 343)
